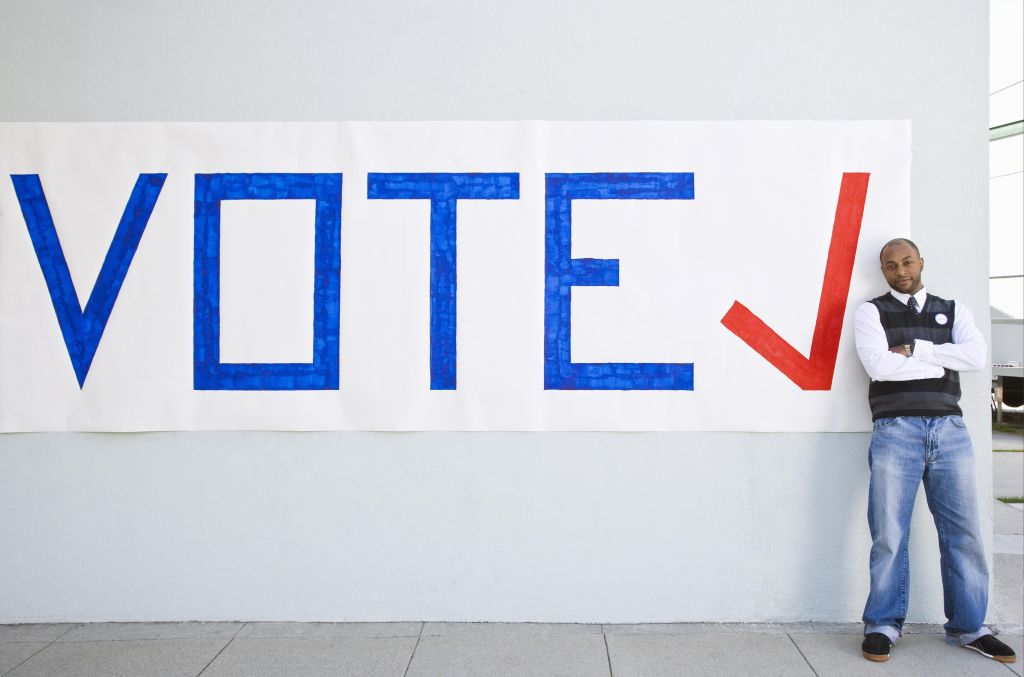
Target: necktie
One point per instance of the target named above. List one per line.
(912, 304)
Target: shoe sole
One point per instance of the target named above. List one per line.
(1001, 659)
(878, 658)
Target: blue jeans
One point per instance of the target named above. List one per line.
(936, 449)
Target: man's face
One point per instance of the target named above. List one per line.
(902, 268)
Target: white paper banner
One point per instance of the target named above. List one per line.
(305, 276)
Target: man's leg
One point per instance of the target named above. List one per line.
(950, 486)
(896, 458)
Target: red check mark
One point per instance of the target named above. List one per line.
(815, 372)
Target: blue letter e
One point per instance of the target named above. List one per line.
(562, 273)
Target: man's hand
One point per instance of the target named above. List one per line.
(901, 349)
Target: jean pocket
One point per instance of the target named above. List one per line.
(958, 421)
(885, 422)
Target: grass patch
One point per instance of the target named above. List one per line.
(1006, 428)
(1008, 451)
(1012, 499)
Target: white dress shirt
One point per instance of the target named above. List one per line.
(967, 352)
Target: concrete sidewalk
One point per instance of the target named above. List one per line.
(1007, 474)
(473, 649)
(1006, 440)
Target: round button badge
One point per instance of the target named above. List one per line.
(941, 319)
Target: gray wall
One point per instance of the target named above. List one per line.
(364, 526)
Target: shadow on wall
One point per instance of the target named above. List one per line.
(835, 573)
(836, 578)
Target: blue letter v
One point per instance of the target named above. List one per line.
(82, 329)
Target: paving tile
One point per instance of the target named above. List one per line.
(12, 653)
(706, 655)
(33, 632)
(1006, 518)
(1016, 642)
(512, 628)
(511, 654)
(1007, 544)
(730, 628)
(694, 628)
(1001, 440)
(135, 658)
(1008, 474)
(1006, 603)
(302, 657)
(914, 656)
(322, 630)
(813, 627)
(92, 632)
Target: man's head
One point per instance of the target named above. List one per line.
(902, 265)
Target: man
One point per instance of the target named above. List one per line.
(913, 346)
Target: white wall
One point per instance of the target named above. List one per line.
(455, 526)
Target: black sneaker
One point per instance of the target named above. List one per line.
(876, 647)
(990, 647)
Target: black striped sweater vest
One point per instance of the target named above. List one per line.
(920, 397)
